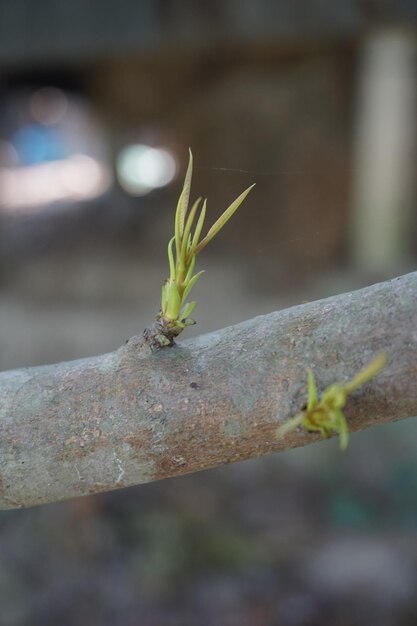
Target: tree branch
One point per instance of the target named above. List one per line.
(134, 416)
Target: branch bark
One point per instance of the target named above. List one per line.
(134, 416)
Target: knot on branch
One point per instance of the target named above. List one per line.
(161, 334)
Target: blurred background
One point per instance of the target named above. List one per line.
(316, 102)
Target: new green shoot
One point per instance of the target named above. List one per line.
(324, 414)
(183, 249)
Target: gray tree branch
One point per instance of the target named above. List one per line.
(133, 416)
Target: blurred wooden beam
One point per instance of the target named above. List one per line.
(384, 177)
(51, 32)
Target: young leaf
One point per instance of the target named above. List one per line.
(182, 206)
(225, 217)
(290, 425)
(186, 234)
(191, 284)
(190, 270)
(342, 430)
(171, 260)
(173, 300)
(187, 310)
(198, 229)
(366, 373)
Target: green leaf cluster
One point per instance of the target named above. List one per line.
(324, 414)
(183, 248)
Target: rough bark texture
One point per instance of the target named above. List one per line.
(134, 416)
